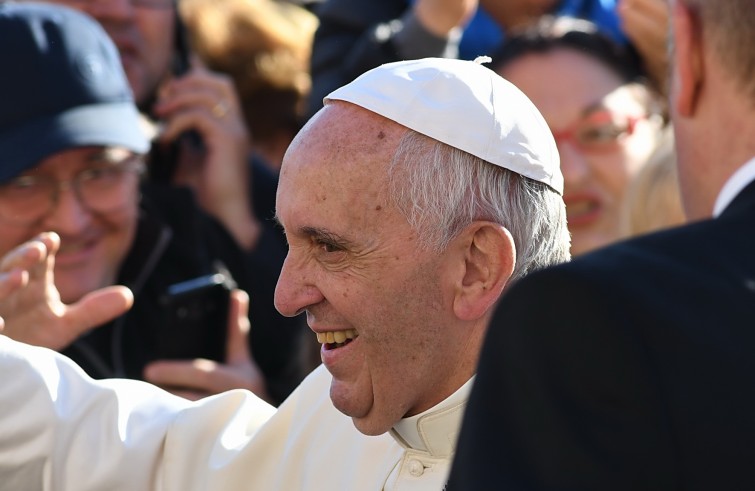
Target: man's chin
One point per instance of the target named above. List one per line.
(356, 404)
(371, 426)
(366, 417)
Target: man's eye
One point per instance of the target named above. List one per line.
(23, 187)
(23, 182)
(329, 247)
(100, 174)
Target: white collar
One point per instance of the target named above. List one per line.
(734, 185)
(435, 430)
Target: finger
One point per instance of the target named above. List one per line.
(196, 62)
(211, 102)
(187, 394)
(188, 374)
(24, 256)
(220, 86)
(237, 341)
(97, 308)
(202, 79)
(31, 253)
(642, 19)
(199, 119)
(645, 29)
(11, 281)
(653, 8)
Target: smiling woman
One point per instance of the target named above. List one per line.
(601, 109)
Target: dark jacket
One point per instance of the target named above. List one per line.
(629, 368)
(175, 241)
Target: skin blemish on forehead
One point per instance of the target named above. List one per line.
(378, 208)
(381, 135)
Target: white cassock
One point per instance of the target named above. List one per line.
(60, 430)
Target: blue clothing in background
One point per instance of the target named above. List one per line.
(482, 35)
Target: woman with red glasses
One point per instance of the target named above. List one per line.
(603, 112)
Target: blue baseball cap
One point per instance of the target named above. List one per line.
(61, 86)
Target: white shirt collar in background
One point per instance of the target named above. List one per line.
(734, 185)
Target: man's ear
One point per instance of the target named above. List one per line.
(489, 257)
(687, 62)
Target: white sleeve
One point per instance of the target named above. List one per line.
(61, 430)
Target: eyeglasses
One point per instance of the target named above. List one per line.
(102, 188)
(599, 132)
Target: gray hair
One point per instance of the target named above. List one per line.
(441, 190)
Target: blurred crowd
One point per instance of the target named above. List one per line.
(193, 193)
(223, 86)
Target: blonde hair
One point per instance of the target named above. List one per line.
(652, 200)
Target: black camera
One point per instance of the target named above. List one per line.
(195, 320)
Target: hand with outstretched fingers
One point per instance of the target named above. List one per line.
(441, 16)
(646, 24)
(207, 103)
(30, 303)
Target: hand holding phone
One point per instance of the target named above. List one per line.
(194, 379)
(196, 318)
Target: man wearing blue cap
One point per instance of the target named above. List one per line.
(72, 147)
(203, 144)
(409, 203)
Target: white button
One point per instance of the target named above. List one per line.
(416, 468)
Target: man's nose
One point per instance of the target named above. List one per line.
(295, 290)
(69, 215)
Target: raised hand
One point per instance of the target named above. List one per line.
(646, 24)
(206, 102)
(440, 16)
(194, 379)
(30, 303)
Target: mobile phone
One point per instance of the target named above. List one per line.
(195, 319)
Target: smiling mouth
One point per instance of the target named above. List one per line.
(582, 212)
(336, 339)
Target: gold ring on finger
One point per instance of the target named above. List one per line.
(220, 109)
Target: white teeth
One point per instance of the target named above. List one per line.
(331, 337)
(579, 208)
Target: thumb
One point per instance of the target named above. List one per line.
(98, 307)
(237, 347)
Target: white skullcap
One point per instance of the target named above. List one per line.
(465, 105)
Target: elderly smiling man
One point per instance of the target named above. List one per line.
(409, 202)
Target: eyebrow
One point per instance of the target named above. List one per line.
(319, 233)
(325, 235)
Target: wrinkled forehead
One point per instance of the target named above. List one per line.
(345, 149)
(344, 138)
